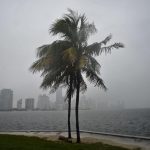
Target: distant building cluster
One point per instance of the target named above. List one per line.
(44, 103)
(96, 104)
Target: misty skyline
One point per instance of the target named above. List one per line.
(24, 27)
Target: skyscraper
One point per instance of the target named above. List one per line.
(59, 95)
(19, 104)
(59, 99)
(29, 103)
(43, 102)
(6, 99)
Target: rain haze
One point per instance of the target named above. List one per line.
(24, 26)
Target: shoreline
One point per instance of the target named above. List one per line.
(89, 137)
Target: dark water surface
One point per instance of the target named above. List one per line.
(131, 122)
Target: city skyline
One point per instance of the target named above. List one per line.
(45, 103)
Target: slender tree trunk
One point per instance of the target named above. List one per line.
(77, 112)
(69, 114)
(69, 110)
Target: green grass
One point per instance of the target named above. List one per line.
(13, 142)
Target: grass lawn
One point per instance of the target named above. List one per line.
(13, 142)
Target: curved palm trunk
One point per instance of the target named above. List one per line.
(77, 112)
(69, 109)
(69, 114)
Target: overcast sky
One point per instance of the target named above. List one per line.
(24, 26)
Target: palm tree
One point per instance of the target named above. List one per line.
(76, 29)
(55, 71)
(64, 61)
(50, 64)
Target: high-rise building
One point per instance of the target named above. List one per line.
(59, 95)
(43, 102)
(6, 99)
(19, 104)
(59, 100)
(29, 103)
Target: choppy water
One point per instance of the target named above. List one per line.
(131, 122)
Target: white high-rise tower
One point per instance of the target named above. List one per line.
(6, 99)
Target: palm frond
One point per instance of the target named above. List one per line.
(93, 63)
(43, 50)
(96, 49)
(93, 49)
(108, 49)
(70, 54)
(50, 56)
(83, 60)
(41, 64)
(85, 29)
(94, 78)
(106, 40)
(83, 85)
(73, 16)
(66, 27)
